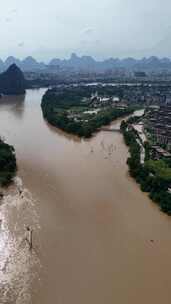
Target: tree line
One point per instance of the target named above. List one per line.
(154, 176)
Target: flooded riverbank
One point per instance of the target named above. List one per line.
(97, 238)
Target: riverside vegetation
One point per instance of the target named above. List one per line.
(154, 176)
(12, 82)
(8, 165)
(71, 109)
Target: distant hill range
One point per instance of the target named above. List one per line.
(12, 81)
(88, 64)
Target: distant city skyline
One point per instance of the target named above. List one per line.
(101, 29)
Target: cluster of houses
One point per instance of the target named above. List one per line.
(157, 122)
(99, 101)
(148, 94)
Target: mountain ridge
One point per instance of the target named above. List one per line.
(12, 81)
(88, 63)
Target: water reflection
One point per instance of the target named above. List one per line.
(15, 104)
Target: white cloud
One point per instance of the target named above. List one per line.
(88, 31)
(20, 44)
(61, 26)
(8, 20)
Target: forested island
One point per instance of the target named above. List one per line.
(82, 110)
(8, 165)
(154, 176)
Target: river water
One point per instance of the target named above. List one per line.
(96, 237)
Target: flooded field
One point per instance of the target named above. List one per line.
(96, 237)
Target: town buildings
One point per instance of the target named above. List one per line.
(157, 124)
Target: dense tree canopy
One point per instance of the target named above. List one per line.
(65, 109)
(7, 163)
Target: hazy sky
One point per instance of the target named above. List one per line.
(101, 28)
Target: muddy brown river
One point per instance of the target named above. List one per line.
(97, 239)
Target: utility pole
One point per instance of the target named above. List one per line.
(30, 237)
